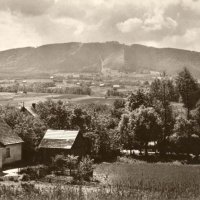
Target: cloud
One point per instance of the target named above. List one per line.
(13, 32)
(24, 7)
(150, 23)
(189, 40)
(129, 25)
(153, 22)
(193, 5)
(159, 22)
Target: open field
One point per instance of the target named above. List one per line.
(29, 98)
(97, 100)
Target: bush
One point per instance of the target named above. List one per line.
(61, 163)
(28, 187)
(58, 162)
(85, 169)
(25, 177)
(34, 173)
(71, 163)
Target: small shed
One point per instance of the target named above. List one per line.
(10, 145)
(63, 142)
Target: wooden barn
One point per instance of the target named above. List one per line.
(10, 145)
(63, 142)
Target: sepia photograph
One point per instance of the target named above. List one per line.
(99, 99)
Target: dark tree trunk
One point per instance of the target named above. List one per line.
(188, 113)
(163, 147)
(146, 148)
(188, 148)
(140, 151)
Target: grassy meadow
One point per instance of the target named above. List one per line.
(168, 181)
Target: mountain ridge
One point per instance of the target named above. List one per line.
(77, 57)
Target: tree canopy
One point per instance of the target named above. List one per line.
(188, 89)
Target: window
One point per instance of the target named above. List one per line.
(7, 152)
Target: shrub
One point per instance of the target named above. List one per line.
(34, 173)
(58, 162)
(61, 163)
(28, 187)
(71, 162)
(85, 169)
(25, 177)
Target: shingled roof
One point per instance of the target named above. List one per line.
(7, 136)
(60, 139)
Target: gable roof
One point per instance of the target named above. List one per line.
(7, 136)
(31, 111)
(60, 139)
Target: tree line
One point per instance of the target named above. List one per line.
(150, 117)
(46, 87)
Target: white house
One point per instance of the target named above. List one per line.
(10, 145)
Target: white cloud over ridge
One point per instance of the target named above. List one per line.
(129, 25)
(171, 23)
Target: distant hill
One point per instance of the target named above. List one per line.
(161, 59)
(89, 57)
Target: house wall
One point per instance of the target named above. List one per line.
(80, 146)
(46, 154)
(15, 153)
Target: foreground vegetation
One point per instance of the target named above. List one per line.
(125, 180)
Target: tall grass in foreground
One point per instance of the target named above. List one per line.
(68, 193)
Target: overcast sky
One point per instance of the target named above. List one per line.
(159, 23)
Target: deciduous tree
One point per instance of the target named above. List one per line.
(146, 124)
(188, 89)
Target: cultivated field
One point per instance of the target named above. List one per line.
(13, 99)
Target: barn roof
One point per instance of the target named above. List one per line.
(60, 139)
(7, 136)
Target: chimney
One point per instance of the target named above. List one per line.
(34, 106)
